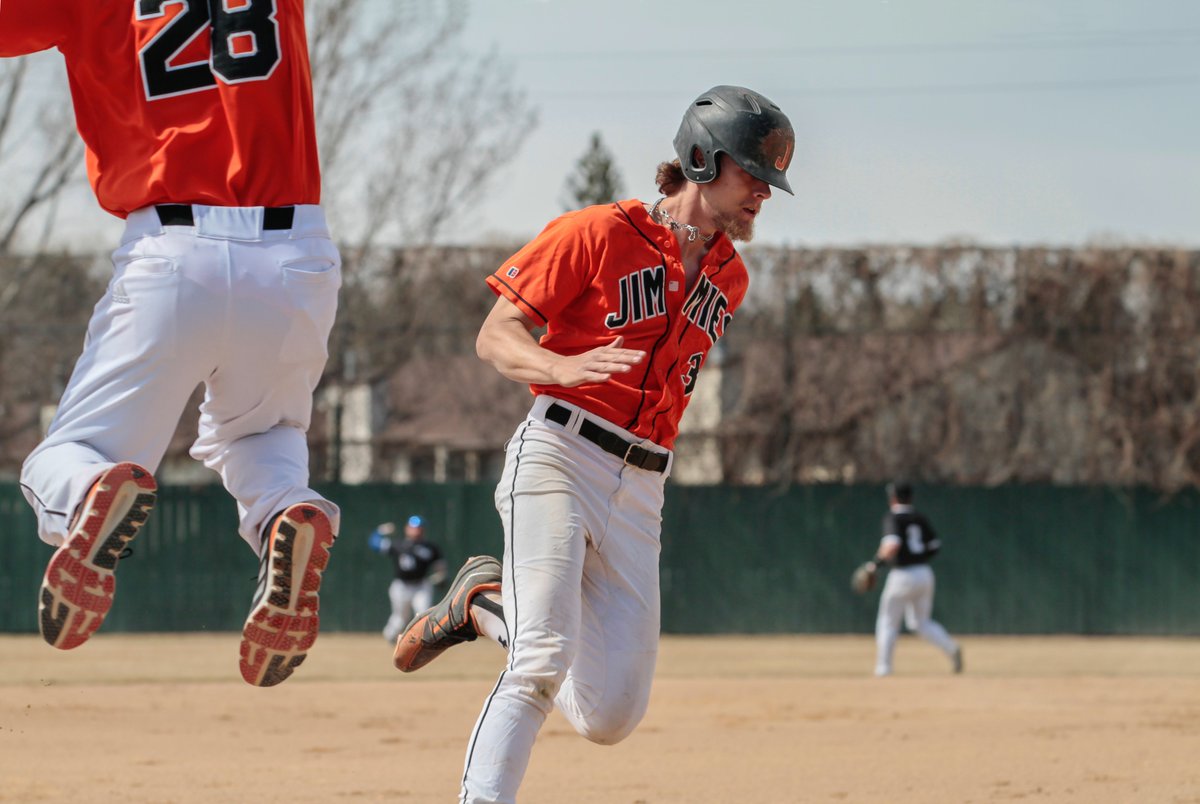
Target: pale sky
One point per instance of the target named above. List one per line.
(1029, 122)
(1053, 122)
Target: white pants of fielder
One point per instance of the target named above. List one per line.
(243, 310)
(407, 598)
(907, 597)
(581, 600)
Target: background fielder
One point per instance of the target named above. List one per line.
(198, 123)
(418, 565)
(909, 543)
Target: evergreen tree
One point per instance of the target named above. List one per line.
(595, 180)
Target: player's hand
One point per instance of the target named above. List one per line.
(596, 365)
(386, 528)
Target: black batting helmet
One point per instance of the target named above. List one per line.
(743, 125)
(901, 490)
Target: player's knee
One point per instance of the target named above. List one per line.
(923, 628)
(541, 682)
(544, 688)
(612, 724)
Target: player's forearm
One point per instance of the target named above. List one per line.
(889, 547)
(512, 350)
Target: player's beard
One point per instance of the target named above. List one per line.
(735, 227)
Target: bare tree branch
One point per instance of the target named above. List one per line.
(365, 53)
(410, 128)
(12, 80)
(37, 138)
(61, 165)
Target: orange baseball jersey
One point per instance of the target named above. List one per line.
(182, 101)
(611, 270)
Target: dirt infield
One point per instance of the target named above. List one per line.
(166, 718)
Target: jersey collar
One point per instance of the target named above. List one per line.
(721, 249)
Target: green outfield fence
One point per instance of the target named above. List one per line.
(1016, 560)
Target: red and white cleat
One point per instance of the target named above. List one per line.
(283, 620)
(77, 589)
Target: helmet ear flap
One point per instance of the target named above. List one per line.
(696, 149)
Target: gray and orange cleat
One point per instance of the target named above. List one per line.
(450, 622)
(77, 589)
(283, 621)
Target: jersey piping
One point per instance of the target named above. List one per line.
(632, 424)
(525, 301)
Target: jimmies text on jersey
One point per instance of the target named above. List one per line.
(611, 270)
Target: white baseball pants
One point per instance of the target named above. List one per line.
(407, 598)
(907, 596)
(243, 310)
(580, 593)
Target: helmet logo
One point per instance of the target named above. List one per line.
(781, 162)
(775, 142)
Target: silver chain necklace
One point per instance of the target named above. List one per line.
(693, 232)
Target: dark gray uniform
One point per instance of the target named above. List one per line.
(908, 592)
(412, 589)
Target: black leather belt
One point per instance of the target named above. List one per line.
(632, 454)
(277, 218)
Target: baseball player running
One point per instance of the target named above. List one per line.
(909, 543)
(633, 296)
(418, 565)
(198, 122)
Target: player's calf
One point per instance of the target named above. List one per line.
(78, 587)
(283, 621)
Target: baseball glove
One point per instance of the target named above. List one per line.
(864, 577)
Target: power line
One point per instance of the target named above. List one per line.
(1106, 40)
(979, 88)
(983, 88)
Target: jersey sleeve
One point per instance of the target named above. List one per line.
(890, 528)
(28, 26)
(548, 273)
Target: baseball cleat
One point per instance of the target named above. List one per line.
(448, 623)
(958, 660)
(283, 620)
(77, 589)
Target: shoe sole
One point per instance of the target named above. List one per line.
(283, 626)
(411, 651)
(78, 587)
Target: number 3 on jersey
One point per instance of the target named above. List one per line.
(693, 371)
(244, 45)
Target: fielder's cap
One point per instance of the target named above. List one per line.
(416, 522)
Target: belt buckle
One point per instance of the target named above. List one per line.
(629, 452)
(642, 456)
